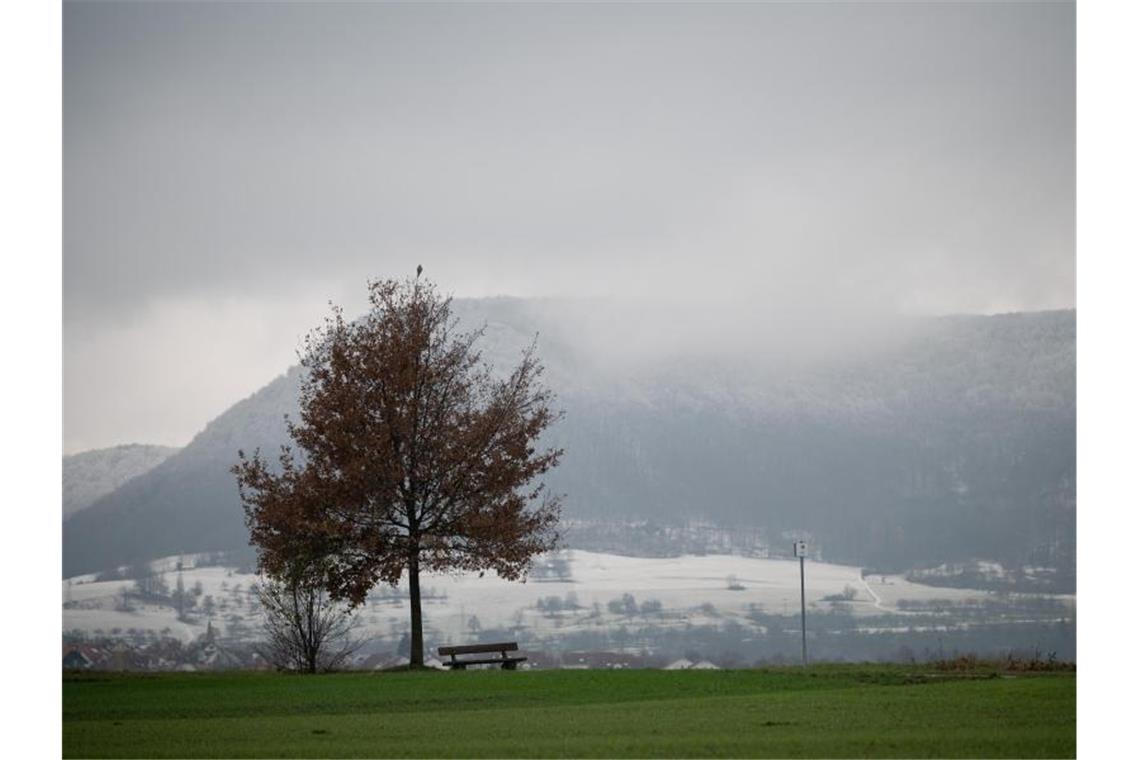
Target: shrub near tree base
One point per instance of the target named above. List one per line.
(305, 630)
(415, 456)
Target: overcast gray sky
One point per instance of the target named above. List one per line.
(231, 168)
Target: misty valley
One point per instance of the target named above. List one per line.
(932, 475)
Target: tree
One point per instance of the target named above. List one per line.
(412, 456)
(305, 629)
(149, 585)
(179, 597)
(626, 605)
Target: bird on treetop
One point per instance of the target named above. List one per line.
(419, 269)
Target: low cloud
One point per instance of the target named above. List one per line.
(800, 169)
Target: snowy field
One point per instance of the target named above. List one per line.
(690, 590)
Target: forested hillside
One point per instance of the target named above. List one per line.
(955, 440)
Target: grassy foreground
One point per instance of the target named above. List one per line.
(825, 711)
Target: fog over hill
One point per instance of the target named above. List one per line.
(895, 443)
(89, 475)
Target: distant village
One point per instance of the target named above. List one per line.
(209, 653)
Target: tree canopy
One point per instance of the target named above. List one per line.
(411, 454)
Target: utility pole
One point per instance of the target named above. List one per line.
(799, 548)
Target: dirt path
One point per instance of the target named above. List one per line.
(878, 602)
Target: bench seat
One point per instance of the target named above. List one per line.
(508, 663)
(502, 648)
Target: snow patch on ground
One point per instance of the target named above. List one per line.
(691, 590)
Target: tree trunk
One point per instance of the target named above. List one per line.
(311, 647)
(417, 653)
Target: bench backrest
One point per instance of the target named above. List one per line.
(506, 646)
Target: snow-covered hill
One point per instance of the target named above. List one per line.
(90, 475)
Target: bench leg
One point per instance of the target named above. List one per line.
(509, 665)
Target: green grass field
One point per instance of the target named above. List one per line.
(825, 711)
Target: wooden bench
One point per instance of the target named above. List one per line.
(502, 648)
